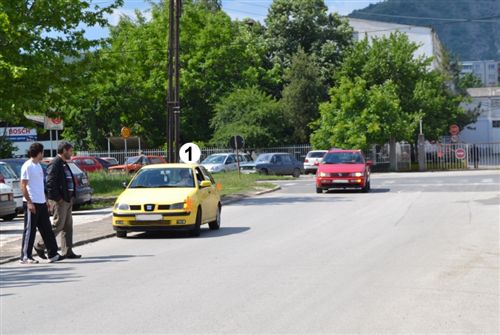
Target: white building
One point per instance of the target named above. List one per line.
(430, 46)
(486, 70)
(487, 127)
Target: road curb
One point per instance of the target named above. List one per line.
(240, 197)
(102, 237)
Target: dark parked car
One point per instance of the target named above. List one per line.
(274, 163)
(83, 189)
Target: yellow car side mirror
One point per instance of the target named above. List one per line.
(205, 183)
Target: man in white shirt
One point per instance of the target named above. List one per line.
(36, 212)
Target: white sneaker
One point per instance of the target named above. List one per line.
(56, 258)
(28, 261)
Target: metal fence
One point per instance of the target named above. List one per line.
(439, 156)
(461, 156)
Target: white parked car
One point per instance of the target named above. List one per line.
(7, 203)
(312, 160)
(220, 163)
(9, 177)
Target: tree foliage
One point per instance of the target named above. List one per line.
(251, 113)
(41, 42)
(382, 92)
(302, 94)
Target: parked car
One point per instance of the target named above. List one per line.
(168, 197)
(111, 160)
(7, 204)
(134, 164)
(83, 191)
(245, 158)
(274, 163)
(312, 160)
(343, 169)
(220, 163)
(88, 163)
(105, 164)
(8, 176)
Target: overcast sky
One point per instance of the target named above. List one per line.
(256, 9)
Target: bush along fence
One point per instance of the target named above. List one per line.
(438, 156)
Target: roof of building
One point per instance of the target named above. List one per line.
(484, 92)
(364, 25)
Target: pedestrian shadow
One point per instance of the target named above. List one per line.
(205, 233)
(32, 275)
(102, 259)
(11, 231)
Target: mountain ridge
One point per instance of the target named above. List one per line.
(457, 37)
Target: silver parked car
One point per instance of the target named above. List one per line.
(220, 163)
(9, 177)
(7, 203)
(313, 158)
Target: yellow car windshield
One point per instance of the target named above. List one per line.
(163, 178)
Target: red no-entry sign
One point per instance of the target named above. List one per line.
(454, 129)
(460, 153)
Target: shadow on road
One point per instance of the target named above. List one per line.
(205, 233)
(24, 276)
(11, 231)
(30, 275)
(287, 200)
(373, 190)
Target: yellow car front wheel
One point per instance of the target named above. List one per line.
(195, 232)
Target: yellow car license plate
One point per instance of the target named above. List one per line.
(149, 217)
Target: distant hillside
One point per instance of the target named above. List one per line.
(468, 40)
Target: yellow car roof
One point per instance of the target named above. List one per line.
(171, 165)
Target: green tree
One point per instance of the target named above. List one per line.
(382, 91)
(306, 24)
(6, 146)
(303, 91)
(469, 80)
(40, 45)
(251, 113)
(127, 80)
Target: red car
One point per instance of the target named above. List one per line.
(87, 163)
(342, 169)
(134, 164)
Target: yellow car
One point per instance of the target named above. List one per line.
(168, 197)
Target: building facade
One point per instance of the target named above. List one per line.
(488, 71)
(425, 37)
(487, 127)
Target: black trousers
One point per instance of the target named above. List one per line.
(40, 220)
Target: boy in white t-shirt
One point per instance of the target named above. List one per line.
(36, 212)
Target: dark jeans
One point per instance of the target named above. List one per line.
(40, 220)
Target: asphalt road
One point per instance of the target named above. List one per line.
(419, 254)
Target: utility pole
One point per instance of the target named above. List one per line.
(173, 101)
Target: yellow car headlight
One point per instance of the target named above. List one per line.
(179, 205)
(122, 207)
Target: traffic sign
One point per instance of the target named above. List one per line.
(460, 153)
(189, 153)
(236, 142)
(454, 129)
(53, 123)
(125, 132)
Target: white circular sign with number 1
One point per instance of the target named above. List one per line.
(190, 153)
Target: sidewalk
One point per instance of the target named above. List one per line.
(89, 226)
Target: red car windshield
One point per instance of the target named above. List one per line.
(343, 158)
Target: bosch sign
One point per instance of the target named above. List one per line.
(19, 134)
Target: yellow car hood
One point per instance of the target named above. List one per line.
(138, 196)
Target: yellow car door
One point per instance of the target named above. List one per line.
(213, 194)
(204, 196)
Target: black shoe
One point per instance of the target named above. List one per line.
(73, 256)
(40, 253)
(56, 258)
